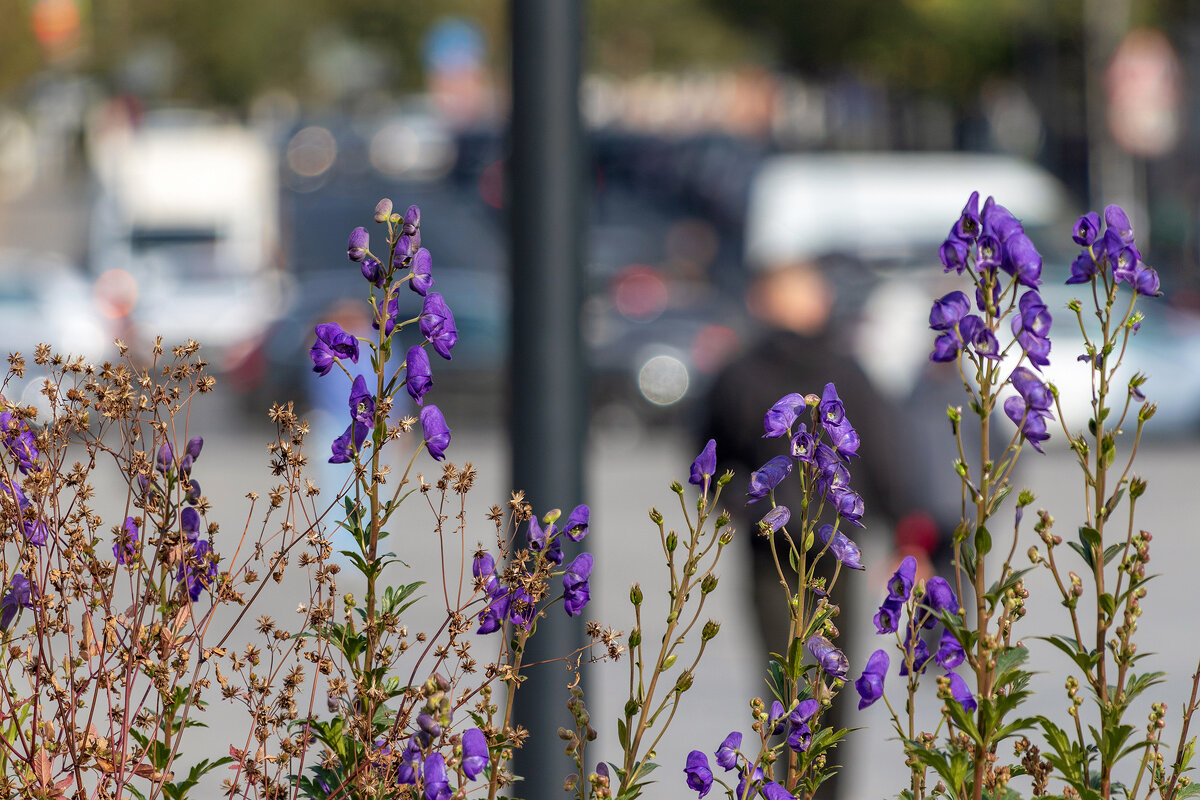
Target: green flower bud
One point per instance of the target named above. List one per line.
(672, 542)
(551, 516)
(676, 487)
(726, 536)
(635, 638)
(711, 629)
(726, 478)
(635, 594)
(708, 584)
(631, 707)
(1137, 487)
(670, 662)
(656, 516)
(684, 682)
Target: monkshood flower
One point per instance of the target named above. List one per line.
(900, 585)
(843, 549)
(870, 684)
(777, 718)
(950, 651)
(727, 753)
(699, 775)
(521, 611)
(969, 225)
(939, 597)
(781, 416)
(705, 466)
(35, 530)
(197, 578)
(350, 442)
(804, 445)
(833, 419)
(437, 433)
(437, 784)
(125, 547)
(916, 652)
(356, 247)
(1031, 327)
(21, 594)
(19, 440)
(949, 311)
(189, 522)
(535, 536)
(1087, 228)
(165, 459)
(887, 618)
(576, 526)
(775, 519)
(422, 272)
(383, 210)
(833, 662)
(492, 617)
(767, 477)
(409, 769)
(374, 271)
(412, 220)
(418, 376)
(575, 584)
(437, 324)
(1030, 409)
(754, 778)
(799, 732)
(474, 753)
(961, 692)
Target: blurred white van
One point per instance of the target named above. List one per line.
(187, 220)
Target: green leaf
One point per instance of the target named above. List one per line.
(1112, 551)
(1090, 537)
(1108, 604)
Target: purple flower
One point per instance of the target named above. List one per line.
(775, 519)
(373, 271)
(1083, 268)
(776, 791)
(939, 597)
(1145, 281)
(535, 537)
(831, 409)
(947, 311)
(388, 313)
(705, 466)
(437, 433)
(727, 753)
(778, 718)
(968, 225)
(1086, 229)
(870, 684)
(19, 440)
(197, 571)
(484, 567)
(422, 269)
(362, 402)
(975, 332)
(21, 594)
(474, 753)
(833, 662)
(781, 416)
(755, 779)
(901, 582)
(521, 611)
(437, 324)
(800, 734)
(953, 254)
(437, 785)
(699, 776)
(356, 247)
(194, 446)
(916, 652)
(849, 506)
(804, 445)
(1118, 221)
(991, 254)
(887, 619)
(843, 549)
(189, 522)
(493, 616)
(409, 769)
(126, 545)
(961, 693)
(950, 652)
(412, 220)
(767, 477)
(332, 342)
(350, 442)
(418, 376)
(999, 221)
(383, 210)
(1022, 259)
(945, 348)
(576, 526)
(165, 458)
(575, 584)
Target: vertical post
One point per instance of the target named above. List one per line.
(548, 420)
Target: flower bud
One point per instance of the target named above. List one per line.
(672, 542)
(635, 594)
(551, 516)
(412, 220)
(726, 478)
(631, 707)
(684, 682)
(708, 584)
(635, 638)
(711, 629)
(676, 487)
(722, 520)
(383, 210)
(356, 247)
(726, 536)
(669, 662)
(656, 516)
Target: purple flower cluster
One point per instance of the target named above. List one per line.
(1030, 408)
(436, 323)
(1111, 253)
(514, 604)
(19, 441)
(822, 453)
(752, 782)
(419, 764)
(31, 523)
(924, 613)
(21, 594)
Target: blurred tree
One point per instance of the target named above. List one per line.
(20, 56)
(945, 46)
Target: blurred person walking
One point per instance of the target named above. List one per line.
(801, 348)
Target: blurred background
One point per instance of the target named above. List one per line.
(192, 168)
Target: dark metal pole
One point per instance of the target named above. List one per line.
(548, 396)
